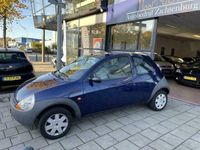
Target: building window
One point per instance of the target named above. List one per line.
(134, 36)
(124, 36)
(92, 37)
(146, 35)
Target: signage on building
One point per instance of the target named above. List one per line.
(167, 9)
(144, 9)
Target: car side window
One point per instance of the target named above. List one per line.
(115, 68)
(141, 66)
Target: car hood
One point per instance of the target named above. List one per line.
(40, 85)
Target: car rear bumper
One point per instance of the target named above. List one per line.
(8, 84)
(190, 83)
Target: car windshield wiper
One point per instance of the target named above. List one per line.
(62, 74)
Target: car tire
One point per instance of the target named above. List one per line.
(159, 101)
(55, 123)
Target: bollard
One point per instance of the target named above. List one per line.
(36, 57)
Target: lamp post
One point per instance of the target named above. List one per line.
(43, 38)
(59, 5)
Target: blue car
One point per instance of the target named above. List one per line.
(88, 85)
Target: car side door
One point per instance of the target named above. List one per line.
(145, 78)
(109, 85)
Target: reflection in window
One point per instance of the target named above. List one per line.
(72, 44)
(146, 34)
(77, 6)
(93, 36)
(114, 69)
(141, 66)
(124, 37)
(132, 36)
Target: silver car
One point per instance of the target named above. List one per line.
(166, 67)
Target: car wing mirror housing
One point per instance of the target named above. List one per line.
(94, 79)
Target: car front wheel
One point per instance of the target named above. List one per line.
(159, 101)
(55, 123)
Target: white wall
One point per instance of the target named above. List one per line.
(183, 47)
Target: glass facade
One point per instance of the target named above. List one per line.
(43, 14)
(77, 6)
(132, 36)
(86, 38)
(89, 29)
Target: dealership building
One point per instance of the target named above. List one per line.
(168, 27)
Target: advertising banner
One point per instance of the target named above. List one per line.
(130, 10)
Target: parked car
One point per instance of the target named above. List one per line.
(189, 60)
(14, 68)
(88, 85)
(166, 67)
(176, 61)
(189, 74)
(28, 50)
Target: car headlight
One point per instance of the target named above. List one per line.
(177, 66)
(178, 71)
(26, 104)
(159, 67)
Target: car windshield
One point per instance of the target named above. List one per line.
(158, 58)
(12, 57)
(77, 68)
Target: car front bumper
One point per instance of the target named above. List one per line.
(26, 118)
(181, 80)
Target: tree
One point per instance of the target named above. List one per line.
(10, 10)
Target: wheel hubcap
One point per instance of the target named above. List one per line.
(56, 124)
(161, 101)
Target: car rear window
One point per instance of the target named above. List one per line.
(12, 57)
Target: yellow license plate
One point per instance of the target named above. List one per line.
(13, 78)
(190, 78)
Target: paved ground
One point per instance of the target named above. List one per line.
(128, 128)
(190, 94)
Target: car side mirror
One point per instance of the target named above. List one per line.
(94, 79)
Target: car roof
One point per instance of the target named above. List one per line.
(114, 53)
(10, 50)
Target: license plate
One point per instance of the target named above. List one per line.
(13, 78)
(190, 78)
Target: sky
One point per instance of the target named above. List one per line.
(25, 27)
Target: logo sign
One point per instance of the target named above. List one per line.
(168, 9)
(131, 10)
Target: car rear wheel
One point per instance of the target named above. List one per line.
(55, 123)
(159, 101)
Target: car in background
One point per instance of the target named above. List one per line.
(89, 84)
(166, 67)
(189, 60)
(28, 50)
(14, 68)
(189, 74)
(176, 61)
